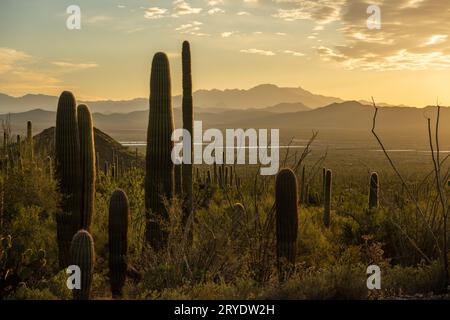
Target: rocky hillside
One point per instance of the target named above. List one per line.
(105, 147)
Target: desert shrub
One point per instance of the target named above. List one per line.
(333, 282)
(423, 278)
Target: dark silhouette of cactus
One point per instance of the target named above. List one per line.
(208, 178)
(221, 176)
(118, 241)
(116, 166)
(236, 214)
(306, 195)
(324, 175)
(231, 176)
(159, 178)
(286, 221)
(374, 191)
(302, 186)
(97, 159)
(82, 255)
(327, 199)
(188, 126)
(30, 151)
(226, 177)
(19, 163)
(68, 173)
(50, 167)
(19, 144)
(5, 143)
(215, 172)
(178, 180)
(87, 156)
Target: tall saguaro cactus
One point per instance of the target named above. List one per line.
(88, 163)
(68, 173)
(373, 191)
(30, 147)
(327, 199)
(159, 178)
(178, 180)
(82, 255)
(118, 240)
(286, 202)
(188, 126)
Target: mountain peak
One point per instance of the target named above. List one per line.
(265, 86)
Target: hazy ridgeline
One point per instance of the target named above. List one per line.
(308, 233)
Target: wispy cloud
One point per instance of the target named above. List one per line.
(182, 7)
(192, 28)
(320, 11)
(18, 76)
(155, 13)
(69, 66)
(293, 53)
(215, 11)
(213, 3)
(436, 39)
(97, 19)
(10, 57)
(259, 52)
(393, 47)
(227, 34)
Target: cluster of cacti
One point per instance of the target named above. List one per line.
(286, 221)
(159, 177)
(118, 241)
(374, 191)
(74, 170)
(327, 198)
(113, 169)
(12, 153)
(82, 255)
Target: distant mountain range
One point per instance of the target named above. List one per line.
(344, 122)
(259, 97)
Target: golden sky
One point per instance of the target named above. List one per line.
(324, 46)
